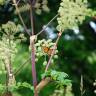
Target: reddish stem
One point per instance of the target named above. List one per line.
(33, 65)
(33, 51)
(53, 52)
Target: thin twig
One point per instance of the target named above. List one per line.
(18, 2)
(53, 52)
(32, 19)
(22, 65)
(48, 24)
(22, 21)
(41, 85)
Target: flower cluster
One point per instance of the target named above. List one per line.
(41, 5)
(71, 13)
(8, 42)
(45, 48)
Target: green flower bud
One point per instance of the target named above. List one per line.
(52, 60)
(41, 54)
(56, 51)
(45, 63)
(51, 44)
(37, 44)
(43, 40)
(40, 41)
(55, 56)
(95, 91)
(49, 40)
(39, 49)
(38, 11)
(36, 59)
(37, 54)
(43, 44)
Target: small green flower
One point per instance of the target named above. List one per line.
(42, 47)
(45, 63)
(37, 44)
(55, 56)
(37, 54)
(52, 61)
(71, 13)
(39, 49)
(36, 59)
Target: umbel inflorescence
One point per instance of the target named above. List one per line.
(44, 48)
(8, 40)
(72, 13)
(41, 5)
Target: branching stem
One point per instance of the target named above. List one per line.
(33, 51)
(53, 52)
(48, 24)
